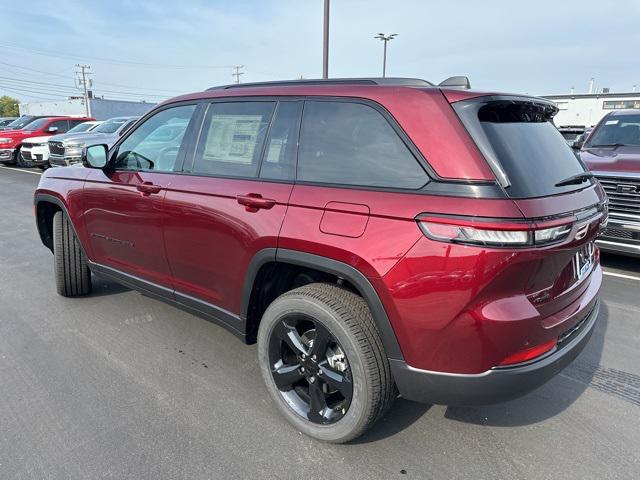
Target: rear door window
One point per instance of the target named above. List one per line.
(349, 143)
(520, 142)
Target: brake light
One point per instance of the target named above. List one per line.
(494, 233)
(529, 353)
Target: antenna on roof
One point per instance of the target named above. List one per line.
(458, 81)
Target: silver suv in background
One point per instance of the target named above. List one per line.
(64, 150)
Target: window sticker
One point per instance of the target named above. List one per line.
(233, 138)
(611, 122)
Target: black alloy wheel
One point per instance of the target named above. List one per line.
(310, 369)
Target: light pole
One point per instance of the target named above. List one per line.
(385, 39)
(325, 41)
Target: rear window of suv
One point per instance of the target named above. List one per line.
(520, 142)
(348, 143)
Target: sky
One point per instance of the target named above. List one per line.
(155, 49)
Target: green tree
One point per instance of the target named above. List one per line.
(8, 106)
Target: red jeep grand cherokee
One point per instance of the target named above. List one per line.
(372, 235)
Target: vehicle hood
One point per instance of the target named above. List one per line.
(613, 160)
(40, 139)
(89, 138)
(66, 136)
(17, 133)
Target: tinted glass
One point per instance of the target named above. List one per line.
(353, 144)
(155, 144)
(81, 127)
(519, 139)
(232, 138)
(619, 129)
(21, 122)
(36, 124)
(110, 126)
(279, 160)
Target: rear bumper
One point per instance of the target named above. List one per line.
(497, 384)
(621, 236)
(6, 154)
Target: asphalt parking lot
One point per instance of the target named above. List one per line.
(118, 385)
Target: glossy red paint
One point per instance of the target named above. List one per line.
(124, 225)
(453, 308)
(413, 108)
(210, 238)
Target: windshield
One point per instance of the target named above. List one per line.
(110, 126)
(20, 122)
(617, 130)
(523, 146)
(36, 124)
(82, 127)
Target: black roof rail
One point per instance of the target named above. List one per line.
(389, 81)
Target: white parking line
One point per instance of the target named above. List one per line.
(620, 275)
(20, 170)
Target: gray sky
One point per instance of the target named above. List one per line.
(538, 47)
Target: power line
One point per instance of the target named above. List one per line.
(111, 60)
(237, 72)
(72, 90)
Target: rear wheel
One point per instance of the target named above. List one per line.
(323, 362)
(73, 277)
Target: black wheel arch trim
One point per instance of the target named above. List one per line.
(46, 198)
(334, 267)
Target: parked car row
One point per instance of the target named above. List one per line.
(33, 141)
(611, 150)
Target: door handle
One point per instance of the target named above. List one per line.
(253, 202)
(147, 188)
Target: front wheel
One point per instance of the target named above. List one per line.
(73, 277)
(323, 362)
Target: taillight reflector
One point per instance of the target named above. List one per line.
(529, 353)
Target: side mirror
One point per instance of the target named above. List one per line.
(52, 129)
(577, 145)
(95, 156)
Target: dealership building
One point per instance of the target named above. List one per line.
(99, 108)
(586, 109)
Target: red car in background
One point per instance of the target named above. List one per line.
(372, 235)
(11, 140)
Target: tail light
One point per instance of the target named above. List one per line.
(529, 353)
(494, 233)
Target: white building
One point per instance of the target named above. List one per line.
(586, 109)
(99, 108)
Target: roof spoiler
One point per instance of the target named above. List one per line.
(458, 81)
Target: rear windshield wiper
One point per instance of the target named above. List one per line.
(575, 179)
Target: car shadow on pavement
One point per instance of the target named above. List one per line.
(551, 398)
(102, 287)
(403, 414)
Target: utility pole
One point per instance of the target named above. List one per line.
(325, 41)
(385, 39)
(237, 72)
(84, 81)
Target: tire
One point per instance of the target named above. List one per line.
(345, 316)
(72, 274)
(19, 161)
